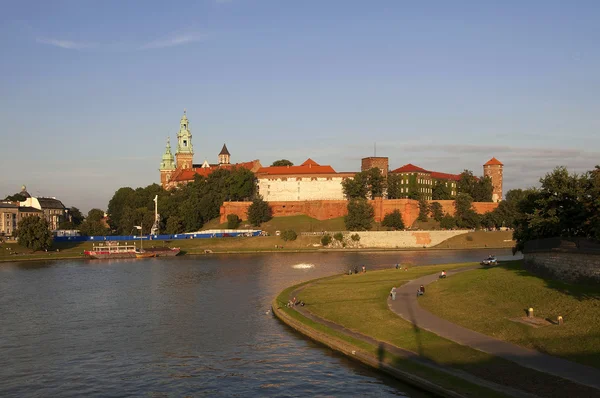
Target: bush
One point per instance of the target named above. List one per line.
(326, 240)
(393, 220)
(338, 236)
(355, 237)
(233, 221)
(289, 235)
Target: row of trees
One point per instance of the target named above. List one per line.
(371, 184)
(187, 208)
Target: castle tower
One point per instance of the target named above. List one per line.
(167, 166)
(493, 169)
(185, 150)
(224, 155)
(382, 163)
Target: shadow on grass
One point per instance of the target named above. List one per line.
(582, 291)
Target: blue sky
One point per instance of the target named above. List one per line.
(91, 89)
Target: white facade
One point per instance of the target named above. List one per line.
(296, 188)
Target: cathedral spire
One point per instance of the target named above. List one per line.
(168, 161)
(185, 149)
(224, 155)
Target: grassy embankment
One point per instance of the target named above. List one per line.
(358, 302)
(486, 299)
(257, 244)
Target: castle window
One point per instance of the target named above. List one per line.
(184, 142)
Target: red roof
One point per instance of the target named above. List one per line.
(410, 168)
(308, 167)
(310, 162)
(493, 162)
(190, 174)
(444, 176)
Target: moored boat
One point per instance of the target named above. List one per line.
(164, 251)
(105, 250)
(144, 254)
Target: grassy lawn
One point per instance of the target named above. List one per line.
(440, 378)
(478, 240)
(358, 302)
(486, 299)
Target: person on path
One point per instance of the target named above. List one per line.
(364, 269)
(443, 274)
(397, 266)
(393, 293)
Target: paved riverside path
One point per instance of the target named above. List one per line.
(406, 305)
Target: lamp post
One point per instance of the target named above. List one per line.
(141, 241)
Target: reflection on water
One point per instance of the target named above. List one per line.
(177, 326)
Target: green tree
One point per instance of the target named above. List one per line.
(34, 233)
(483, 190)
(557, 209)
(375, 182)
(436, 211)
(325, 240)
(441, 191)
(259, 211)
(175, 225)
(466, 217)
(16, 198)
(338, 236)
(282, 162)
(289, 235)
(242, 185)
(393, 220)
(93, 225)
(356, 187)
(360, 215)
(394, 186)
(423, 210)
(466, 183)
(591, 203)
(76, 216)
(121, 200)
(448, 222)
(233, 221)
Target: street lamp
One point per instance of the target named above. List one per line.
(141, 241)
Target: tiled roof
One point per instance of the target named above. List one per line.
(410, 168)
(310, 162)
(493, 162)
(445, 176)
(308, 167)
(190, 174)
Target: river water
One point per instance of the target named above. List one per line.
(184, 326)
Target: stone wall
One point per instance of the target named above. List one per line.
(575, 266)
(327, 209)
(405, 239)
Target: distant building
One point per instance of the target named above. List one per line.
(180, 169)
(11, 214)
(309, 181)
(382, 163)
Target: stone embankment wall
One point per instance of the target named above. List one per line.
(575, 262)
(404, 239)
(327, 209)
(565, 265)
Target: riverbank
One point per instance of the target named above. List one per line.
(357, 304)
(263, 244)
(503, 293)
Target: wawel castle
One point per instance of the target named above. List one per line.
(308, 181)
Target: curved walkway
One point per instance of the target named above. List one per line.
(406, 305)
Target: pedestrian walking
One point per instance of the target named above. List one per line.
(393, 293)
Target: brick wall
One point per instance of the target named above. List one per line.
(567, 265)
(327, 209)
